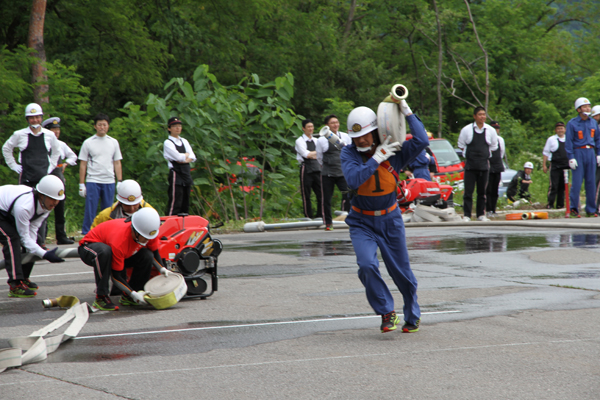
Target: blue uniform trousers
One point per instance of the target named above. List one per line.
(386, 232)
(422, 173)
(105, 192)
(586, 169)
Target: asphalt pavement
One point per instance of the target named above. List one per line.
(509, 312)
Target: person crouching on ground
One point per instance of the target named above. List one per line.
(375, 221)
(115, 245)
(518, 188)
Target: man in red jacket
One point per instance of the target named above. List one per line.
(118, 244)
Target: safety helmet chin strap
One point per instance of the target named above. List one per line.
(136, 237)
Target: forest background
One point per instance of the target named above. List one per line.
(242, 74)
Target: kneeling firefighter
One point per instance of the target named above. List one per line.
(118, 244)
(129, 200)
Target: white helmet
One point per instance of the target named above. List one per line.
(581, 102)
(51, 186)
(129, 192)
(33, 109)
(595, 111)
(361, 121)
(146, 222)
(528, 165)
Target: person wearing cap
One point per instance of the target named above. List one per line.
(518, 188)
(375, 221)
(495, 173)
(69, 158)
(179, 154)
(310, 170)
(115, 245)
(477, 141)
(38, 154)
(100, 162)
(39, 149)
(582, 143)
(129, 200)
(328, 156)
(555, 152)
(22, 210)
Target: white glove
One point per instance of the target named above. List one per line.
(19, 169)
(573, 163)
(428, 156)
(405, 108)
(164, 272)
(118, 184)
(82, 190)
(385, 150)
(598, 160)
(138, 297)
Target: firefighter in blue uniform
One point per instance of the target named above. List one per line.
(583, 149)
(374, 218)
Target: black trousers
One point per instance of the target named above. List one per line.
(310, 182)
(179, 197)
(328, 184)
(99, 256)
(475, 177)
(11, 248)
(492, 191)
(556, 190)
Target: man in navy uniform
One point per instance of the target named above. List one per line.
(583, 149)
(375, 221)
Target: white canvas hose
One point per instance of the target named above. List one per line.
(36, 347)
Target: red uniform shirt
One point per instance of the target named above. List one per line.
(117, 234)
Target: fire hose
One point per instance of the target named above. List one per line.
(28, 257)
(36, 347)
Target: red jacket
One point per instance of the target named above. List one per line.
(117, 234)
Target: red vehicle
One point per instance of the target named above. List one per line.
(451, 169)
(187, 247)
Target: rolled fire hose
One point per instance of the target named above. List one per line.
(36, 347)
(62, 253)
(527, 215)
(390, 120)
(163, 292)
(331, 137)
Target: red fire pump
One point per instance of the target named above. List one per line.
(187, 247)
(421, 191)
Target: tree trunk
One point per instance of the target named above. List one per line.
(350, 18)
(36, 42)
(439, 74)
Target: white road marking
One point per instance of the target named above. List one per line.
(248, 325)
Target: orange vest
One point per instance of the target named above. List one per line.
(382, 182)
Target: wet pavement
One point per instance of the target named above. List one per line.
(507, 313)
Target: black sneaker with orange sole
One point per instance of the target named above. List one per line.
(574, 213)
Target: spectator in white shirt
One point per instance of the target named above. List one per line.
(310, 170)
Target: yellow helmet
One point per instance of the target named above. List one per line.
(429, 135)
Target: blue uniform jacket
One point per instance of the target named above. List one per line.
(582, 133)
(358, 172)
(421, 161)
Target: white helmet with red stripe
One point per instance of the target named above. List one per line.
(129, 192)
(361, 121)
